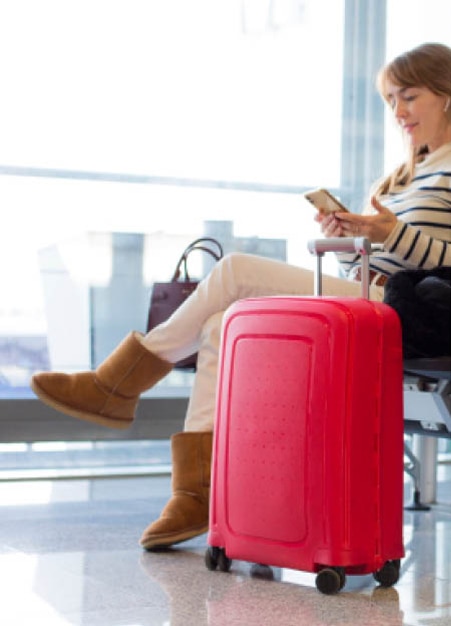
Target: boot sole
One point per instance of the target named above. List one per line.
(160, 543)
(82, 415)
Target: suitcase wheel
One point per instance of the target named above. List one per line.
(217, 558)
(330, 580)
(388, 575)
(260, 570)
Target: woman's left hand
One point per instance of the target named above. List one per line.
(376, 227)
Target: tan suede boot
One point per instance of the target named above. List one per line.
(109, 395)
(186, 514)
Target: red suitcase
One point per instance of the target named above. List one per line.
(307, 469)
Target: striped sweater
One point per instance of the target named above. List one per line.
(422, 235)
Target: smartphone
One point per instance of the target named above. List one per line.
(324, 201)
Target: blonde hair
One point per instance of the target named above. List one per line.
(428, 65)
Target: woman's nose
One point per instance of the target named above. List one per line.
(399, 109)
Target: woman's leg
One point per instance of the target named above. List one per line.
(109, 395)
(201, 405)
(235, 277)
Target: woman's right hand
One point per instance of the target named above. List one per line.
(330, 226)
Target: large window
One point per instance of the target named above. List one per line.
(129, 127)
(230, 90)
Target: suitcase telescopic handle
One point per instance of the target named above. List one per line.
(359, 245)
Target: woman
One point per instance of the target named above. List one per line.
(409, 214)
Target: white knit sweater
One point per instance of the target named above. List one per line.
(422, 235)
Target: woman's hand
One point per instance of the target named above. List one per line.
(330, 225)
(376, 227)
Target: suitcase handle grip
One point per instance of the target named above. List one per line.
(360, 245)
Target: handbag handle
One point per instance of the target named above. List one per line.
(197, 244)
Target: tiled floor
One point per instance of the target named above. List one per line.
(69, 554)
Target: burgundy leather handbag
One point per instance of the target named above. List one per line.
(166, 297)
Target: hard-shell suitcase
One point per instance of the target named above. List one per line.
(307, 469)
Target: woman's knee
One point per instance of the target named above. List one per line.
(238, 264)
(234, 259)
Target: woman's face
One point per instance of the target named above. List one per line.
(421, 115)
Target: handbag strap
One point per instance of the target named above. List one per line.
(205, 244)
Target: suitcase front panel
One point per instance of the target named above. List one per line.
(264, 439)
